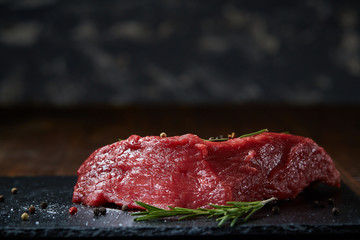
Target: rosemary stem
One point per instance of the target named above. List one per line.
(269, 200)
(231, 212)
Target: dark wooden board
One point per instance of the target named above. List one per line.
(297, 218)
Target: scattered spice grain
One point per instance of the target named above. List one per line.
(163, 135)
(220, 137)
(102, 210)
(32, 209)
(124, 207)
(275, 209)
(96, 211)
(43, 205)
(331, 202)
(24, 216)
(14, 190)
(73, 210)
(232, 135)
(2, 198)
(335, 211)
(318, 204)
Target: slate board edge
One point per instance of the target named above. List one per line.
(286, 229)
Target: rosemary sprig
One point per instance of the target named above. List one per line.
(233, 212)
(242, 136)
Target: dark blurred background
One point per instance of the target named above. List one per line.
(189, 52)
(77, 75)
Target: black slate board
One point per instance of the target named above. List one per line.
(297, 218)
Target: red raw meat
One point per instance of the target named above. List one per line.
(186, 171)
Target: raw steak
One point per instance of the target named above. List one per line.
(187, 171)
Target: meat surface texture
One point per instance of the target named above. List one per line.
(187, 171)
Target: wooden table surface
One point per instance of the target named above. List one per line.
(55, 141)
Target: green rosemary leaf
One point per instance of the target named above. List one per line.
(234, 211)
(217, 139)
(146, 218)
(243, 204)
(139, 213)
(254, 133)
(223, 220)
(251, 213)
(220, 206)
(242, 136)
(191, 216)
(233, 222)
(148, 207)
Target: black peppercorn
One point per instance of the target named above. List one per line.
(275, 209)
(43, 205)
(331, 201)
(96, 211)
(318, 204)
(102, 210)
(2, 198)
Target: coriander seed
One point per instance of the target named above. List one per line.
(163, 135)
(124, 207)
(32, 209)
(24, 216)
(335, 211)
(14, 190)
(232, 135)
